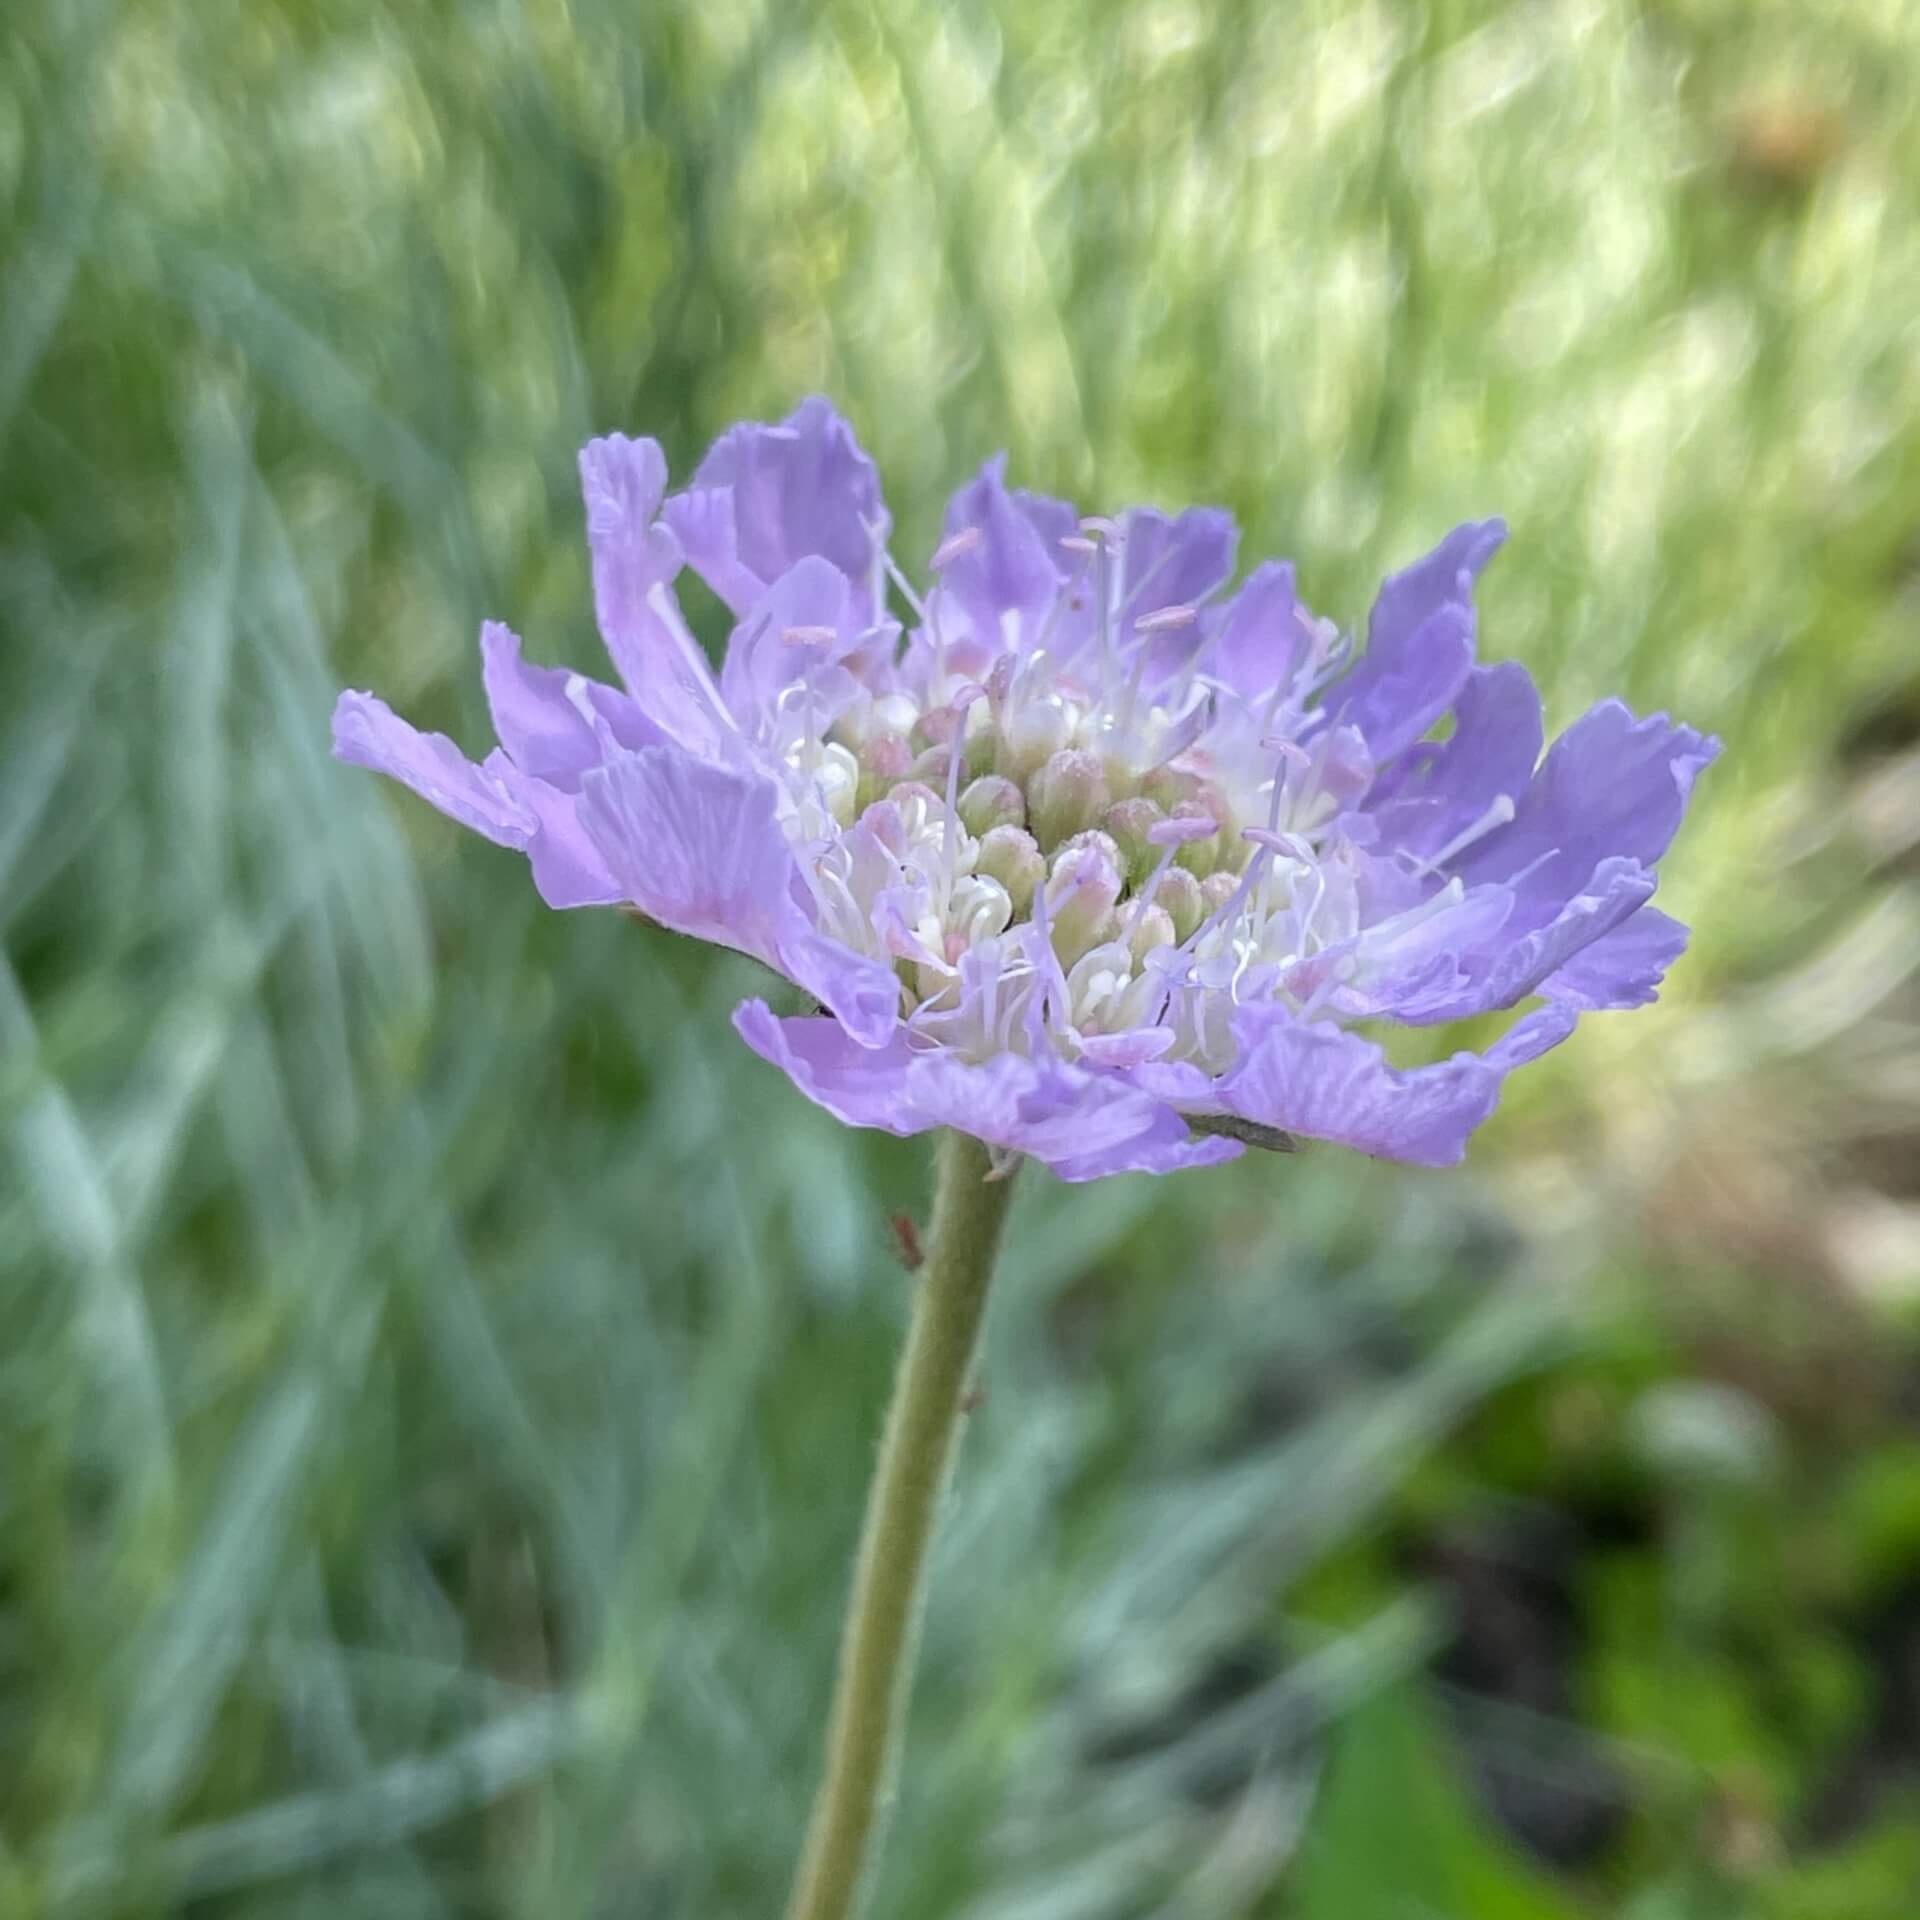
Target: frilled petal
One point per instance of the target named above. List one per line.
(1159, 564)
(567, 868)
(765, 497)
(1436, 795)
(1419, 642)
(1532, 1035)
(1622, 968)
(496, 798)
(1615, 891)
(1610, 785)
(635, 560)
(1173, 563)
(1260, 634)
(1083, 1125)
(1054, 520)
(699, 848)
(1499, 972)
(555, 724)
(1319, 1081)
(1000, 570)
(368, 733)
(810, 617)
(1424, 957)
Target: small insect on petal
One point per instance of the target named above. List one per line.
(1249, 1133)
(906, 1241)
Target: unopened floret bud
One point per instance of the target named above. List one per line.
(1154, 928)
(992, 802)
(1082, 890)
(1216, 890)
(1168, 786)
(1099, 839)
(1027, 736)
(932, 739)
(1129, 822)
(902, 816)
(1179, 894)
(884, 761)
(1069, 793)
(1009, 855)
(1199, 857)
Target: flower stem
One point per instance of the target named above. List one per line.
(916, 1454)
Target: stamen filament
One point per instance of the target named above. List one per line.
(1499, 813)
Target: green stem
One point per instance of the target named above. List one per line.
(916, 1454)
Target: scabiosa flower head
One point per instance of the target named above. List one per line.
(1074, 848)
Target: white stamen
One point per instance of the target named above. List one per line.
(1180, 736)
(1138, 591)
(905, 585)
(1191, 671)
(1230, 910)
(956, 754)
(876, 569)
(1293, 759)
(939, 688)
(1103, 567)
(1170, 836)
(1315, 900)
(1499, 813)
(1064, 597)
(689, 664)
(1343, 971)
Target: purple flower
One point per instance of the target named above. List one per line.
(1091, 857)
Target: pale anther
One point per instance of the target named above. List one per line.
(1166, 619)
(1178, 831)
(1273, 842)
(954, 546)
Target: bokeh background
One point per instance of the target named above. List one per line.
(439, 1368)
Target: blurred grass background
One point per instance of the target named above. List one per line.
(439, 1368)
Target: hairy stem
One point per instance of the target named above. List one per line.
(916, 1455)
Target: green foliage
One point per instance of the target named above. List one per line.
(1394, 1834)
